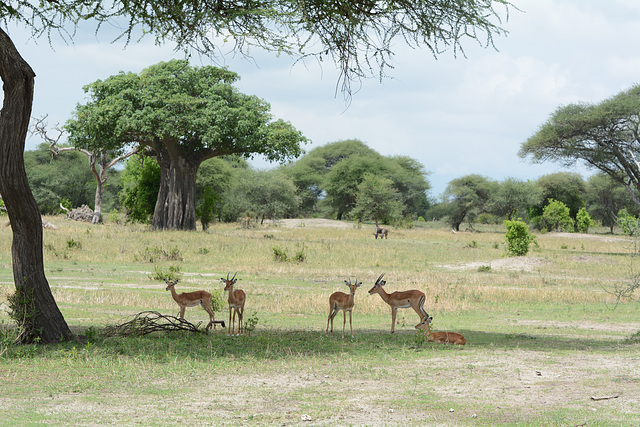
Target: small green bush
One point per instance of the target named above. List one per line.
(279, 255)
(556, 217)
(171, 273)
(628, 223)
(583, 221)
(518, 237)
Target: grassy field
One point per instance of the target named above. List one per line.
(546, 343)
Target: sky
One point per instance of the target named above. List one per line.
(456, 115)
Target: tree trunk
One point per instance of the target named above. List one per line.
(101, 178)
(26, 250)
(97, 212)
(176, 205)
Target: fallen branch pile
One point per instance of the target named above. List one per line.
(148, 322)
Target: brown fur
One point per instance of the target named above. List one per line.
(447, 337)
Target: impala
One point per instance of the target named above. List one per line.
(404, 299)
(236, 303)
(341, 301)
(191, 299)
(441, 337)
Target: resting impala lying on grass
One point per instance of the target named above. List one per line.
(341, 301)
(441, 337)
(191, 299)
(404, 299)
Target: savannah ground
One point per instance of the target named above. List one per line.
(544, 336)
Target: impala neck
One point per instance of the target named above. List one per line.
(174, 294)
(383, 294)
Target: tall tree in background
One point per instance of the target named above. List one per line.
(182, 115)
(468, 196)
(356, 34)
(605, 136)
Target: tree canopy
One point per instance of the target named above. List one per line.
(183, 115)
(606, 136)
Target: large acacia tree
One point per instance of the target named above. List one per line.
(605, 136)
(183, 115)
(358, 35)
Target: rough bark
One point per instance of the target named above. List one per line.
(24, 216)
(176, 205)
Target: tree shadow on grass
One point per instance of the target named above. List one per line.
(273, 344)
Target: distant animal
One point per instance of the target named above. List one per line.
(191, 299)
(441, 337)
(236, 304)
(381, 231)
(403, 299)
(341, 301)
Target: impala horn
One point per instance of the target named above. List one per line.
(379, 278)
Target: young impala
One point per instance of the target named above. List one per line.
(236, 303)
(441, 337)
(341, 301)
(191, 299)
(404, 299)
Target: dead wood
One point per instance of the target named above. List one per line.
(148, 322)
(605, 397)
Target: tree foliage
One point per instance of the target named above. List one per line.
(468, 196)
(557, 217)
(183, 115)
(377, 200)
(518, 237)
(604, 136)
(65, 178)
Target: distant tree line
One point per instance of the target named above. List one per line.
(474, 199)
(340, 180)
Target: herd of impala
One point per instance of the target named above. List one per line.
(337, 301)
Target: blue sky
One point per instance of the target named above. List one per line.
(455, 115)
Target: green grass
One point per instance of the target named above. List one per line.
(543, 336)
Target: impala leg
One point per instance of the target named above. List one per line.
(351, 322)
(344, 321)
(241, 319)
(182, 309)
(230, 326)
(332, 313)
(394, 311)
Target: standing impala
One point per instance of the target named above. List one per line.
(341, 301)
(191, 299)
(236, 303)
(404, 299)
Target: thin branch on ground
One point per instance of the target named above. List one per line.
(148, 322)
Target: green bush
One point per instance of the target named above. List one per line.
(556, 217)
(583, 221)
(628, 223)
(171, 273)
(518, 237)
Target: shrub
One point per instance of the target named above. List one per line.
(583, 221)
(556, 217)
(518, 237)
(279, 255)
(171, 273)
(628, 223)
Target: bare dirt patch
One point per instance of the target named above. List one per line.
(513, 263)
(309, 222)
(608, 239)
